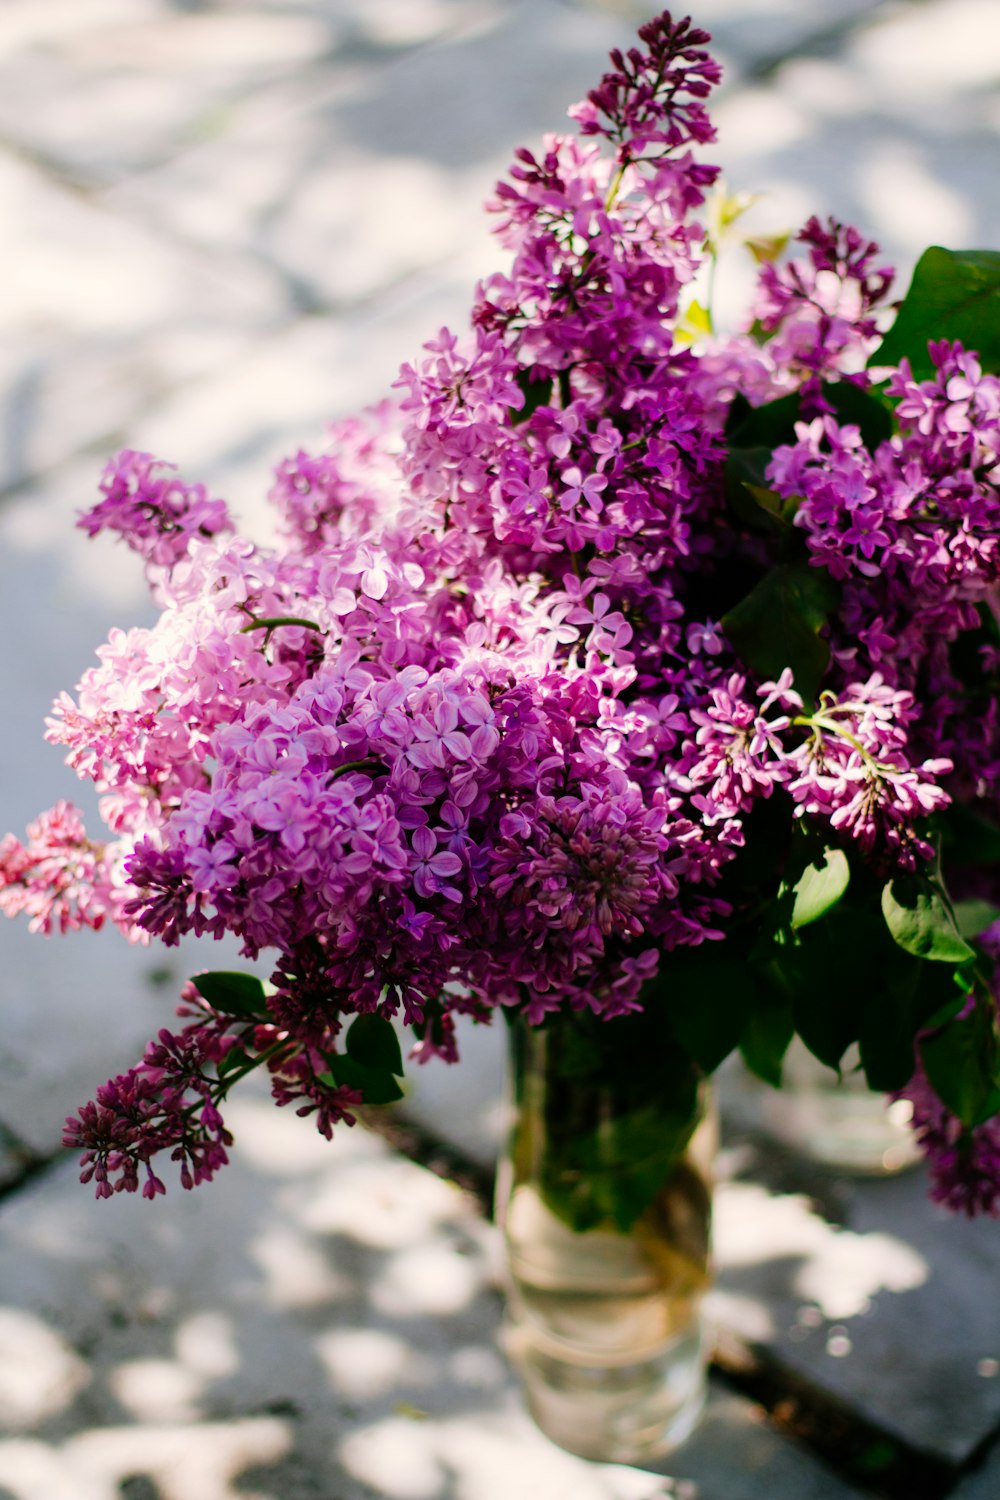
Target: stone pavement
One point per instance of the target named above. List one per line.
(223, 224)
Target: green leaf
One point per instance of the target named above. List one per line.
(369, 1061)
(768, 426)
(708, 999)
(536, 392)
(769, 829)
(758, 333)
(748, 493)
(860, 408)
(778, 624)
(918, 917)
(236, 1057)
(617, 1104)
(694, 324)
(954, 294)
(820, 887)
(801, 973)
(963, 1065)
(766, 247)
(377, 1085)
(624, 1165)
(773, 425)
(903, 996)
(888, 1028)
(951, 1002)
(827, 1018)
(973, 917)
(765, 1040)
(232, 993)
(827, 1004)
(372, 1041)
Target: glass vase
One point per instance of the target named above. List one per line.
(604, 1198)
(835, 1119)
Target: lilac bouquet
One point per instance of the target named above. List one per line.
(612, 665)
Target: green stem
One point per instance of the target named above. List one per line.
(616, 183)
(713, 263)
(354, 765)
(226, 1083)
(820, 721)
(275, 620)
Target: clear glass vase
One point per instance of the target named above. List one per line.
(835, 1119)
(604, 1197)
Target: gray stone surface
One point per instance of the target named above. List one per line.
(322, 1321)
(736, 1454)
(878, 1298)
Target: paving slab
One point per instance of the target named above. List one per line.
(322, 1320)
(864, 1290)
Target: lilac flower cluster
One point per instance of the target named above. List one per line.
(964, 1164)
(155, 511)
(164, 1104)
(59, 879)
(489, 727)
(820, 312)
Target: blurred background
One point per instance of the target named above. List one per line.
(222, 224)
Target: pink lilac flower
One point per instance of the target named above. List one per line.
(60, 879)
(821, 310)
(154, 511)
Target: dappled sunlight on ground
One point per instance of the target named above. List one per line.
(313, 1290)
(184, 1463)
(840, 1271)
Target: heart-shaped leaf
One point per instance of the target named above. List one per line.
(820, 886)
(918, 918)
(954, 294)
(778, 624)
(372, 1040)
(232, 993)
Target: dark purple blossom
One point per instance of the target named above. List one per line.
(964, 1163)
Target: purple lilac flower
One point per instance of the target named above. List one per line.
(821, 310)
(154, 511)
(964, 1164)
